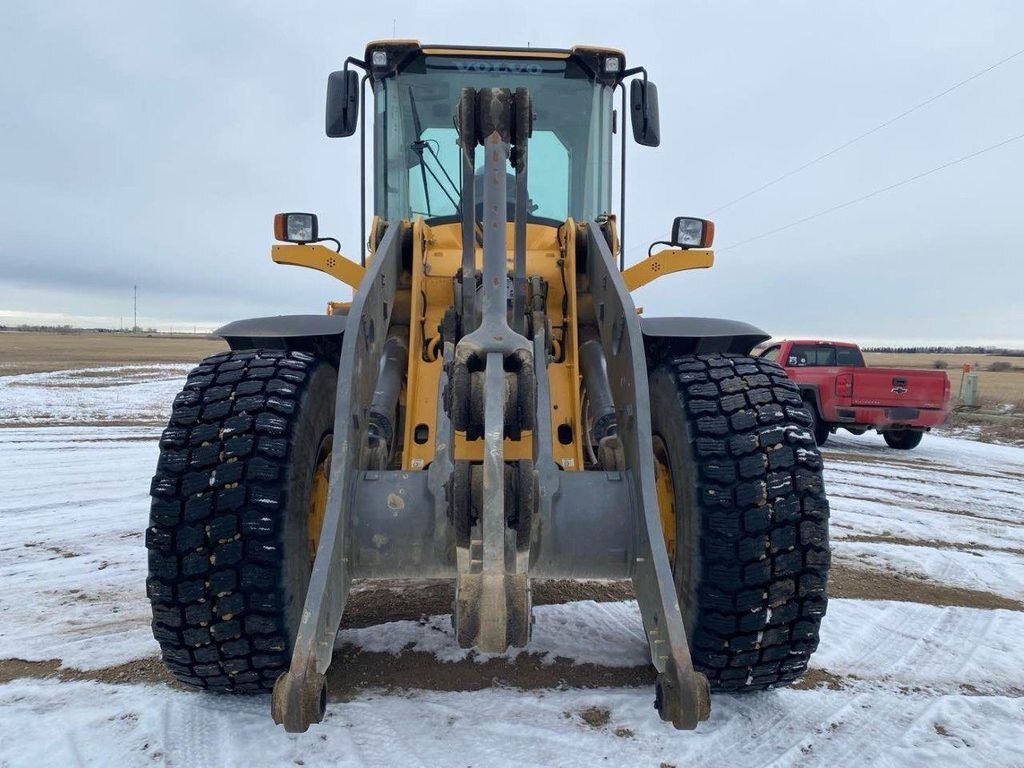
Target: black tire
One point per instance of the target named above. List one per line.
(229, 558)
(820, 429)
(903, 439)
(752, 553)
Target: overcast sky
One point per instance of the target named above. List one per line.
(152, 144)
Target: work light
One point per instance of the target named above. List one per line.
(295, 227)
(692, 233)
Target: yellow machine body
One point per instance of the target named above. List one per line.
(436, 259)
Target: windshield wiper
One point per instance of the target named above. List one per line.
(418, 146)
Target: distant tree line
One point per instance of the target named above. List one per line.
(51, 328)
(960, 350)
(71, 329)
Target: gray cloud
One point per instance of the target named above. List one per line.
(151, 144)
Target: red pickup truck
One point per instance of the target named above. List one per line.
(840, 391)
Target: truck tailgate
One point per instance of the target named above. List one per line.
(898, 387)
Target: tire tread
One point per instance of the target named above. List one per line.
(763, 520)
(215, 536)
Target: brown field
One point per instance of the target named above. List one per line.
(994, 387)
(32, 352)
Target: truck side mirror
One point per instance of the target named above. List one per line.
(643, 101)
(342, 103)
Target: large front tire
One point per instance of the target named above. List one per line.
(751, 553)
(229, 532)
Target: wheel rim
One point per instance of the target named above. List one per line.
(318, 494)
(666, 498)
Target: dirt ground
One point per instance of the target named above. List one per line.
(354, 670)
(32, 352)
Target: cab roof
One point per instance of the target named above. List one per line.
(591, 56)
(494, 50)
(817, 342)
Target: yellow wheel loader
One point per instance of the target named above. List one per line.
(489, 408)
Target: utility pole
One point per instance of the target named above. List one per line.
(135, 308)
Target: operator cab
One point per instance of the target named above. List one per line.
(417, 170)
(417, 161)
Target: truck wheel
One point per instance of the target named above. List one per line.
(903, 439)
(744, 513)
(238, 499)
(820, 429)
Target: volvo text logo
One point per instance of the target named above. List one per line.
(495, 67)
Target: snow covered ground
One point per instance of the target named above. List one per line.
(895, 683)
(950, 511)
(137, 393)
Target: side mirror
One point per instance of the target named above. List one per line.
(643, 101)
(342, 103)
(688, 232)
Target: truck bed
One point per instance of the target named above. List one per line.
(898, 387)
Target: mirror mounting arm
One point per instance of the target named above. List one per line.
(362, 153)
(362, 160)
(637, 71)
(622, 162)
(356, 62)
(622, 183)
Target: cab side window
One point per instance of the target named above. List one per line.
(772, 353)
(849, 356)
(808, 356)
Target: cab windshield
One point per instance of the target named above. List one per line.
(417, 160)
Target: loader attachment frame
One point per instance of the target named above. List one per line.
(300, 695)
(594, 524)
(492, 592)
(682, 695)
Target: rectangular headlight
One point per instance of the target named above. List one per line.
(295, 227)
(690, 232)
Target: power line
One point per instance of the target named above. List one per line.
(872, 194)
(864, 135)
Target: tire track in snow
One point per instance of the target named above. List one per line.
(379, 742)
(203, 730)
(920, 646)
